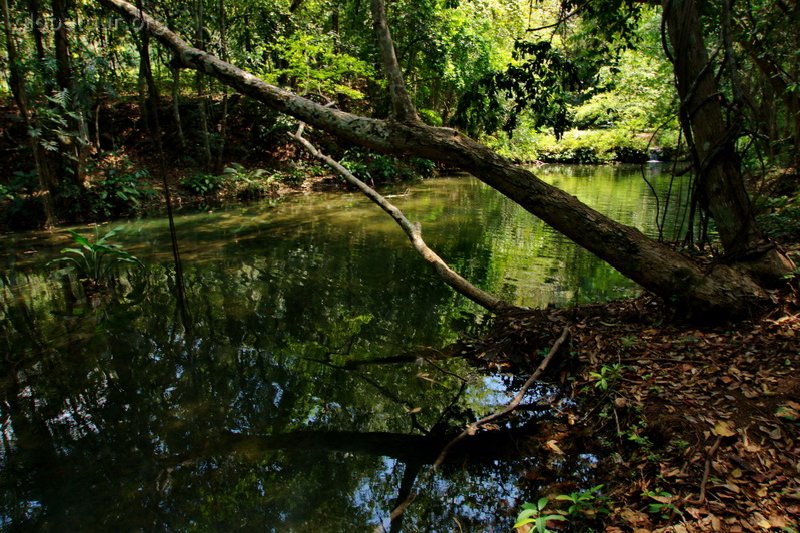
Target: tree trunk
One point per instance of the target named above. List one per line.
(721, 291)
(719, 175)
(402, 107)
(176, 106)
(148, 88)
(44, 167)
(223, 122)
(63, 68)
(199, 84)
(35, 13)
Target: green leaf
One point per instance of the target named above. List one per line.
(542, 503)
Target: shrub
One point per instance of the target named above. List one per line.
(378, 168)
(116, 187)
(202, 183)
(781, 217)
(247, 184)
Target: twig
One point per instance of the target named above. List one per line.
(511, 407)
(702, 497)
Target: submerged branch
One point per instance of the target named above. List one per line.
(472, 429)
(414, 232)
(513, 405)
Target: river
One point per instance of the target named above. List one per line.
(302, 389)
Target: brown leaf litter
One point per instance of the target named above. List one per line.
(696, 428)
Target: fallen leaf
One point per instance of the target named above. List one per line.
(778, 521)
(634, 517)
(731, 487)
(723, 428)
(553, 447)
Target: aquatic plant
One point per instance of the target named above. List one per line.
(95, 262)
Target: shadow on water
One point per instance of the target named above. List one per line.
(309, 392)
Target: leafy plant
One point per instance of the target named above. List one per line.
(537, 515)
(247, 184)
(202, 184)
(782, 217)
(379, 168)
(5, 193)
(662, 504)
(121, 189)
(94, 262)
(608, 374)
(587, 502)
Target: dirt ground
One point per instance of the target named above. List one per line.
(697, 428)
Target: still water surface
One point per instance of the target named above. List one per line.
(303, 390)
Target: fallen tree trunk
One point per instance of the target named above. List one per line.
(721, 291)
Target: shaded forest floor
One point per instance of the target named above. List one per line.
(696, 428)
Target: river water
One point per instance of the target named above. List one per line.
(302, 389)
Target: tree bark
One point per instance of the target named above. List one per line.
(63, 67)
(719, 292)
(719, 175)
(199, 82)
(150, 93)
(402, 107)
(176, 106)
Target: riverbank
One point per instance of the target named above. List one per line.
(694, 428)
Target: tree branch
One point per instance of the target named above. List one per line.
(472, 429)
(414, 232)
(513, 405)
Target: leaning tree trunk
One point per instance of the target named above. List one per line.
(721, 184)
(722, 290)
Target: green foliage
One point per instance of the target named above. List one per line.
(203, 183)
(607, 376)
(539, 82)
(94, 262)
(247, 184)
(313, 63)
(430, 117)
(663, 503)
(576, 146)
(5, 193)
(293, 176)
(119, 187)
(594, 146)
(585, 503)
(378, 168)
(536, 514)
(53, 125)
(780, 217)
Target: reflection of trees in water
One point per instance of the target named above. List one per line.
(117, 416)
(305, 394)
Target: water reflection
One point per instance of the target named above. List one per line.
(308, 393)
